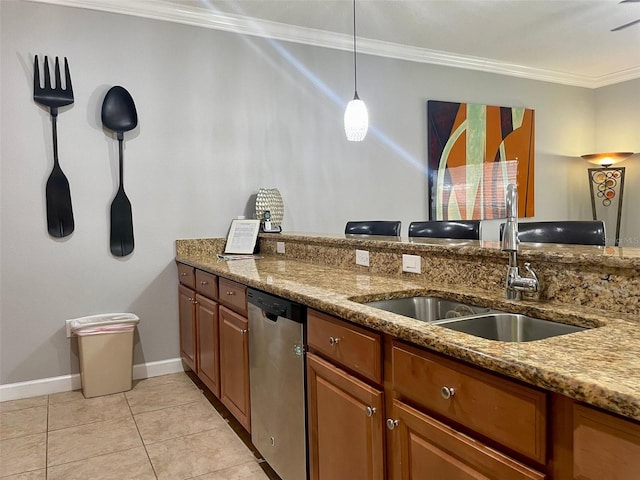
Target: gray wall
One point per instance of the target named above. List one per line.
(221, 115)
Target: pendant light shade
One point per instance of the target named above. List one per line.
(356, 120)
(356, 116)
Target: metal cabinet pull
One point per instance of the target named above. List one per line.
(370, 411)
(391, 423)
(183, 274)
(231, 293)
(447, 392)
(243, 331)
(203, 282)
(334, 340)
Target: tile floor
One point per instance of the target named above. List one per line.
(165, 428)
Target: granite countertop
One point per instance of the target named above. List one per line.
(599, 366)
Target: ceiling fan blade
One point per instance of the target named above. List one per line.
(617, 29)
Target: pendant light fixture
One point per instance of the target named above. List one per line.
(356, 116)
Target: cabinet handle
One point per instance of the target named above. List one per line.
(447, 392)
(391, 423)
(243, 331)
(334, 340)
(370, 411)
(231, 293)
(190, 299)
(183, 274)
(195, 302)
(202, 282)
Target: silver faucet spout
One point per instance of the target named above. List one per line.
(515, 283)
(510, 233)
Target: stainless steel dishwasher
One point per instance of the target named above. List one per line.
(277, 373)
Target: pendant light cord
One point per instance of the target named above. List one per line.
(355, 66)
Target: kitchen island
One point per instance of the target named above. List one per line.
(594, 287)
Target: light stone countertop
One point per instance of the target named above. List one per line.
(599, 366)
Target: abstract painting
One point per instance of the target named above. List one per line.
(475, 151)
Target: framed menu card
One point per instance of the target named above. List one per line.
(242, 237)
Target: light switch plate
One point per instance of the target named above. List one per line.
(412, 263)
(362, 257)
(280, 247)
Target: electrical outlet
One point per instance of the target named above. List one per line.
(362, 258)
(280, 247)
(412, 263)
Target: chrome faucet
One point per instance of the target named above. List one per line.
(515, 283)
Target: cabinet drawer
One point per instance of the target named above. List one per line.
(186, 275)
(501, 410)
(426, 448)
(348, 345)
(207, 284)
(233, 295)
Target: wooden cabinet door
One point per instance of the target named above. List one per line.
(208, 344)
(423, 448)
(187, 321)
(345, 432)
(604, 446)
(234, 365)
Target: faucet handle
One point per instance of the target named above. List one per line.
(527, 267)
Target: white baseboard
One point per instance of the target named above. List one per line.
(65, 383)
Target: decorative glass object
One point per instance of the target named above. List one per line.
(269, 199)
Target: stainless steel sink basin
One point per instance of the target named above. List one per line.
(427, 309)
(509, 327)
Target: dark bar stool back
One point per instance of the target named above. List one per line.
(587, 232)
(373, 227)
(463, 229)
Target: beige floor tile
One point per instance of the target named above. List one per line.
(206, 452)
(158, 395)
(180, 378)
(247, 471)
(65, 396)
(81, 412)
(33, 475)
(23, 454)
(19, 423)
(130, 465)
(31, 402)
(159, 425)
(86, 441)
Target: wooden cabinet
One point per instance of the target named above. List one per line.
(208, 343)
(348, 345)
(604, 446)
(234, 365)
(233, 295)
(509, 413)
(345, 400)
(346, 423)
(426, 448)
(198, 319)
(187, 320)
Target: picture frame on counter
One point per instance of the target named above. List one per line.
(242, 236)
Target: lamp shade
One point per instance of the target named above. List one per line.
(606, 159)
(356, 120)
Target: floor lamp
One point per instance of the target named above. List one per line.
(606, 185)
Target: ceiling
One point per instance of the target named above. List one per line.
(563, 41)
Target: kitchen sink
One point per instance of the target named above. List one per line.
(428, 309)
(509, 327)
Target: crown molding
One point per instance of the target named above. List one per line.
(206, 18)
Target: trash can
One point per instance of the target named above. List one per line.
(106, 352)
